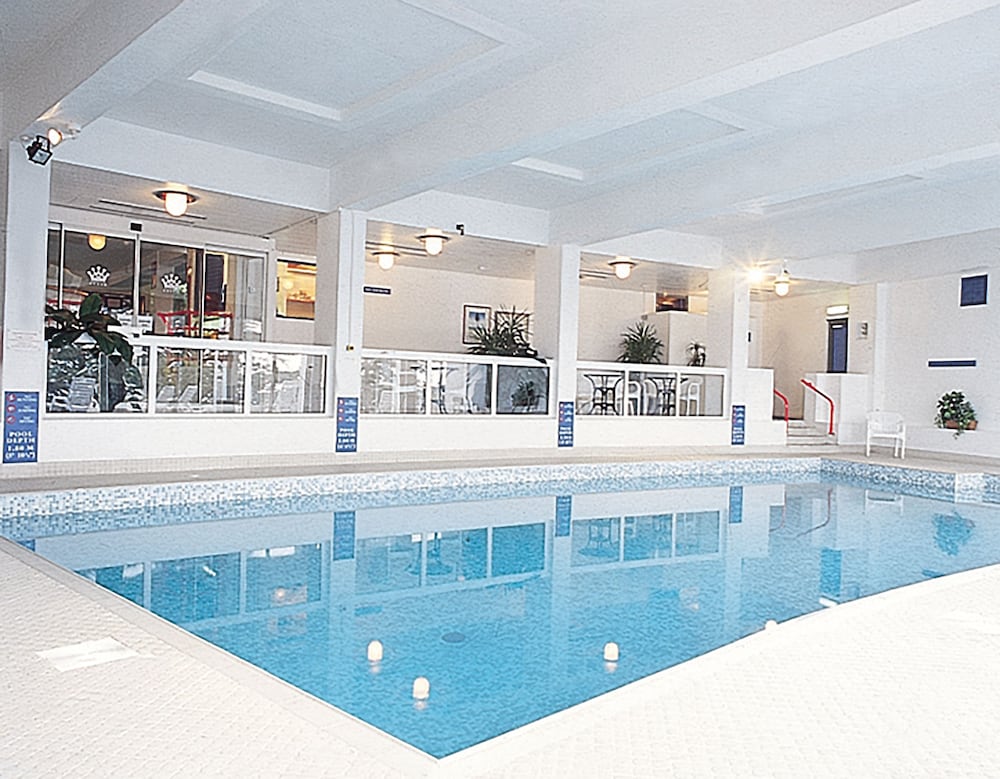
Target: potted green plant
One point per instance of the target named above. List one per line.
(508, 337)
(640, 344)
(955, 412)
(65, 327)
(696, 354)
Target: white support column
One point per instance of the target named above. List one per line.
(727, 342)
(25, 251)
(880, 336)
(557, 315)
(340, 277)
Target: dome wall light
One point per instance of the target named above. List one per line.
(756, 274)
(96, 241)
(175, 201)
(385, 257)
(54, 135)
(622, 266)
(782, 283)
(433, 240)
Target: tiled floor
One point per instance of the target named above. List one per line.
(906, 683)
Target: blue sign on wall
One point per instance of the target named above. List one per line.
(739, 425)
(564, 514)
(344, 523)
(20, 427)
(347, 424)
(566, 414)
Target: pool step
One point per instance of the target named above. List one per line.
(802, 433)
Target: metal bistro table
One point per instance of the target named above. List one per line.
(604, 392)
(666, 393)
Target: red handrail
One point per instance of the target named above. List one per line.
(829, 400)
(785, 401)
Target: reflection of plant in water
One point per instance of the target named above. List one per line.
(952, 531)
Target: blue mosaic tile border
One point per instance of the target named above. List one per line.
(34, 514)
(30, 515)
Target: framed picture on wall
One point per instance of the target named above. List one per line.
(473, 317)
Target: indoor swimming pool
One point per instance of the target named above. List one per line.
(448, 622)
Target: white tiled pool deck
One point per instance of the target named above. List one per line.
(902, 684)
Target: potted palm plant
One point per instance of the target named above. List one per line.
(508, 337)
(640, 344)
(955, 412)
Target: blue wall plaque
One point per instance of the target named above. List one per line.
(20, 427)
(566, 414)
(739, 425)
(347, 424)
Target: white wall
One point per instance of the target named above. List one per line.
(678, 329)
(927, 323)
(604, 315)
(793, 340)
(424, 311)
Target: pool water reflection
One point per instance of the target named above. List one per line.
(505, 606)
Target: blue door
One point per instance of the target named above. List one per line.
(836, 346)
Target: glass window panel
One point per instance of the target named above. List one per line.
(199, 380)
(168, 289)
(287, 383)
(595, 541)
(296, 297)
(284, 576)
(652, 393)
(393, 386)
(84, 380)
(700, 395)
(599, 391)
(522, 389)
(108, 271)
(460, 388)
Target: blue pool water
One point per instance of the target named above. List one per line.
(505, 605)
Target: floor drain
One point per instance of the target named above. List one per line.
(453, 638)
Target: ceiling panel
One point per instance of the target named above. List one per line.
(660, 135)
(336, 54)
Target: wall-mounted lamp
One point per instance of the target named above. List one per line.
(782, 283)
(54, 135)
(97, 241)
(433, 240)
(175, 200)
(622, 266)
(756, 274)
(385, 256)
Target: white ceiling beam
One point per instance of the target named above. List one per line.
(37, 85)
(677, 60)
(914, 140)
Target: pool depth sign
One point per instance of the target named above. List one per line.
(739, 425)
(20, 427)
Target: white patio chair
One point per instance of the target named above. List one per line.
(690, 397)
(886, 424)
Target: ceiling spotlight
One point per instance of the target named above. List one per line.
(55, 137)
(175, 201)
(39, 150)
(622, 266)
(96, 241)
(385, 257)
(782, 283)
(433, 241)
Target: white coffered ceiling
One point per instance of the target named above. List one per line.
(831, 135)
